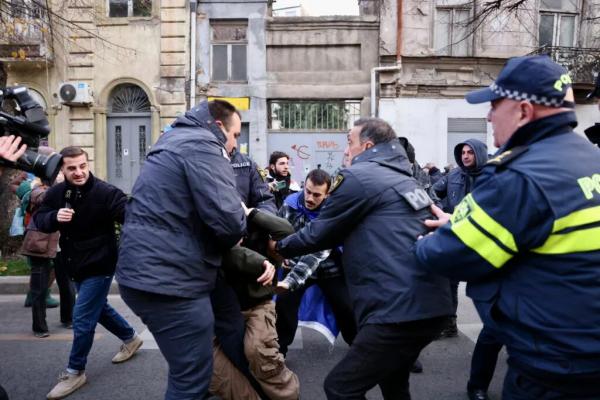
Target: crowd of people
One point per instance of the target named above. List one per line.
(208, 238)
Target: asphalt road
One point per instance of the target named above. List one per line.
(29, 366)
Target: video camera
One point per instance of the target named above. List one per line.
(29, 123)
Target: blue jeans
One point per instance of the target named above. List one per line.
(91, 308)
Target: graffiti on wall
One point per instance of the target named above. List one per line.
(302, 151)
(310, 151)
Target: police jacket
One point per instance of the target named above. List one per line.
(88, 243)
(183, 213)
(460, 181)
(376, 209)
(526, 239)
(251, 185)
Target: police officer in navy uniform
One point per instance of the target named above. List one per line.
(376, 209)
(251, 183)
(526, 238)
(230, 325)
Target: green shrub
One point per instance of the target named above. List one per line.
(14, 266)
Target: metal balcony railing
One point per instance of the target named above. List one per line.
(24, 38)
(583, 64)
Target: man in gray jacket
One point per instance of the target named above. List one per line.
(183, 213)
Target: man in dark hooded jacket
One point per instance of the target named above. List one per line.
(183, 213)
(470, 156)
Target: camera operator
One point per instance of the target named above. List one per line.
(28, 122)
(11, 148)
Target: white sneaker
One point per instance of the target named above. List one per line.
(67, 384)
(128, 350)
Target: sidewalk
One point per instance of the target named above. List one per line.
(20, 285)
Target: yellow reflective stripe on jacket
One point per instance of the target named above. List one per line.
(576, 218)
(479, 237)
(483, 245)
(572, 242)
(578, 241)
(496, 230)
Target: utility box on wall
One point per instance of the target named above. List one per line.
(75, 93)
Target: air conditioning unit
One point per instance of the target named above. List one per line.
(75, 93)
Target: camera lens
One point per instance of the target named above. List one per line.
(44, 166)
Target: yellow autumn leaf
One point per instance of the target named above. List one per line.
(22, 54)
(14, 54)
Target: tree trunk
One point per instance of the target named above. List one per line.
(8, 200)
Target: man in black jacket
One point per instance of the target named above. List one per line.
(280, 177)
(84, 209)
(376, 209)
(183, 214)
(593, 132)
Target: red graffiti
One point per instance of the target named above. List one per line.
(301, 151)
(327, 144)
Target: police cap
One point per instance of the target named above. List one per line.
(537, 79)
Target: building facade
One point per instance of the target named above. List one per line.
(299, 81)
(319, 84)
(443, 49)
(231, 64)
(132, 66)
(110, 74)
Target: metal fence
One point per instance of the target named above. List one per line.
(315, 115)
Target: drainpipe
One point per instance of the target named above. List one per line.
(374, 72)
(193, 4)
(398, 67)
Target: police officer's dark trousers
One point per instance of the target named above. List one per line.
(483, 363)
(382, 354)
(183, 330)
(520, 386)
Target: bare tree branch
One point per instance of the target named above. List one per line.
(41, 15)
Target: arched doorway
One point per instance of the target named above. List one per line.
(128, 133)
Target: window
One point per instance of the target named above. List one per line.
(228, 51)
(330, 115)
(129, 8)
(26, 9)
(557, 22)
(451, 31)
